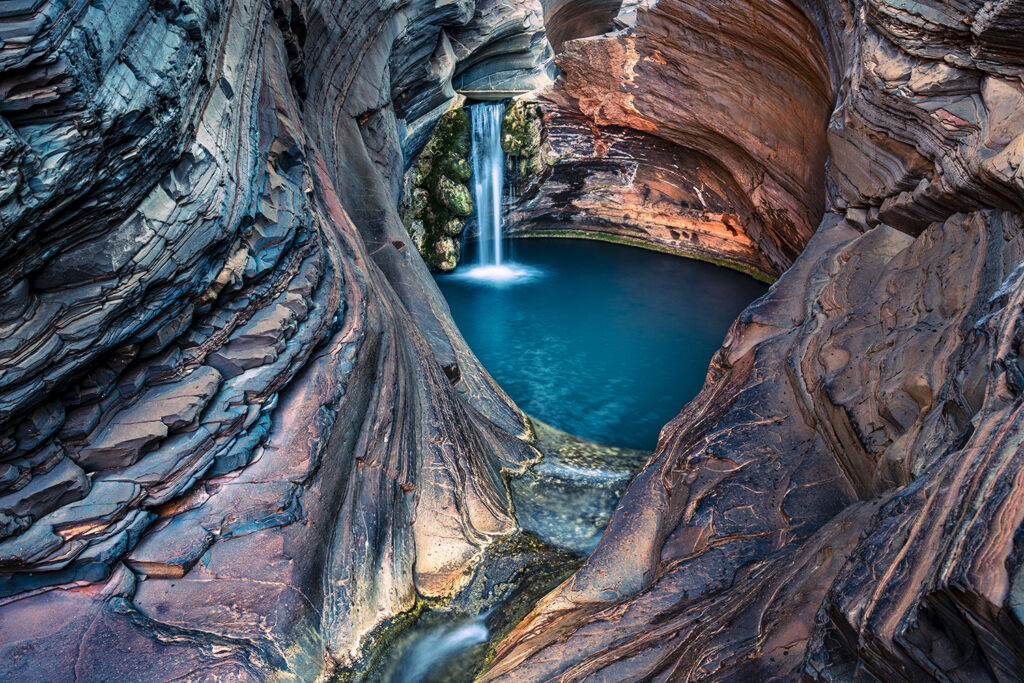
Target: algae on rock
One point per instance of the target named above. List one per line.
(523, 138)
(437, 199)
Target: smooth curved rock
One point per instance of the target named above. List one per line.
(239, 430)
(213, 379)
(624, 185)
(744, 83)
(840, 502)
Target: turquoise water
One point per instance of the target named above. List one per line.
(604, 341)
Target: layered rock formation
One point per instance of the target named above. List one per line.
(746, 84)
(572, 19)
(238, 427)
(842, 501)
(238, 430)
(619, 184)
(696, 132)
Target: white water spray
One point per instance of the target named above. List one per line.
(488, 162)
(435, 648)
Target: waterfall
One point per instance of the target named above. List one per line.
(493, 266)
(488, 162)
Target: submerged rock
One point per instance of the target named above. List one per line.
(568, 497)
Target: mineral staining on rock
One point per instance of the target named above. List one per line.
(438, 199)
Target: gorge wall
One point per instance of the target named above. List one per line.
(238, 426)
(842, 501)
(238, 429)
(623, 185)
(710, 118)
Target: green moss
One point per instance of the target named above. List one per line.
(521, 128)
(457, 169)
(522, 138)
(438, 199)
(453, 196)
(633, 242)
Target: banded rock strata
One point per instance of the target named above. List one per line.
(842, 501)
(238, 429)
(620, 184)
(237, 426)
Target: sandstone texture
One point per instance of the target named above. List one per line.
(745, 83)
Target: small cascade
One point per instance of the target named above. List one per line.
(434, 648)
(488, 162)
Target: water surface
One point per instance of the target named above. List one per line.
(601, 340)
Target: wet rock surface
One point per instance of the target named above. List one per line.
(239, 432)
(567, 498)
(437, 199)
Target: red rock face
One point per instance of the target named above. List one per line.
(238, 428)
(841, 501)
(609, 182)
(745, 83)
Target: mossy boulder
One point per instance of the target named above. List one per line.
(437, 197)
(453, 196)
(523, 140)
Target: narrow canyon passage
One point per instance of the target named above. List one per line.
(245, 437)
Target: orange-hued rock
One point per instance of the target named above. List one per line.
(746, 83)
(843, 500)
(615, 182)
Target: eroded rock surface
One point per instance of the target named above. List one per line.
(237, 426)
(238, 430)
(842, 500)
(744, 83)
(624, 185)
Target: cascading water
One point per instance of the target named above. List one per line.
(488, 161)
(432, 649)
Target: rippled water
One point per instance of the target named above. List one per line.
(604, 341)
